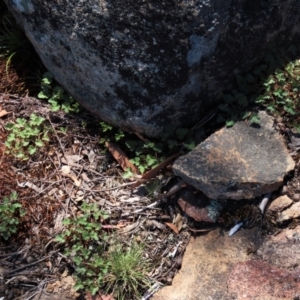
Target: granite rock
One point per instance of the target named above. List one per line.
(245, 266)
(142, 65)
(240, 162)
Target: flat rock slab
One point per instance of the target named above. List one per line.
(245, 266)
(241, 162)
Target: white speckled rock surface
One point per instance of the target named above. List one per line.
(143, 65)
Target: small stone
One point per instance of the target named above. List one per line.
(280, 203)
(290, 213)
(29, 259)
(296, 197)
(198, 206)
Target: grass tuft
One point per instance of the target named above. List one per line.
(127, 271)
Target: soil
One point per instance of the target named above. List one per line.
(33, 264)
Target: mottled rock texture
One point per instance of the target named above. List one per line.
(237, 163)
(144, 64)
(245, 266)
(259, 280)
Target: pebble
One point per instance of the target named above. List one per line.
(29, 259)
(296, 197)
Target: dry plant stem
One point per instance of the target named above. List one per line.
(110, 189)
(178, 186)
(58, 139)
(14, 253)
(202, 229)
(25, 267)
(204, 120)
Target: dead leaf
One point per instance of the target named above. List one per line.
(74, 178)
(120, 157)
(173, 227)
(71, 160)
(3, 112)
(85, 177)
(179, 225)
(178, 222)
(30, 185)
(91, 156)
(65, 170)
(152, 173)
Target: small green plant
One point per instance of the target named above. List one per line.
(56, 95)
(146, 155)
(281, 95)
(26, 136)
(126, 276)
(100, 261)
(10, 213)
(85, 242)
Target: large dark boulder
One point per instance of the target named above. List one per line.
(142, 64)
